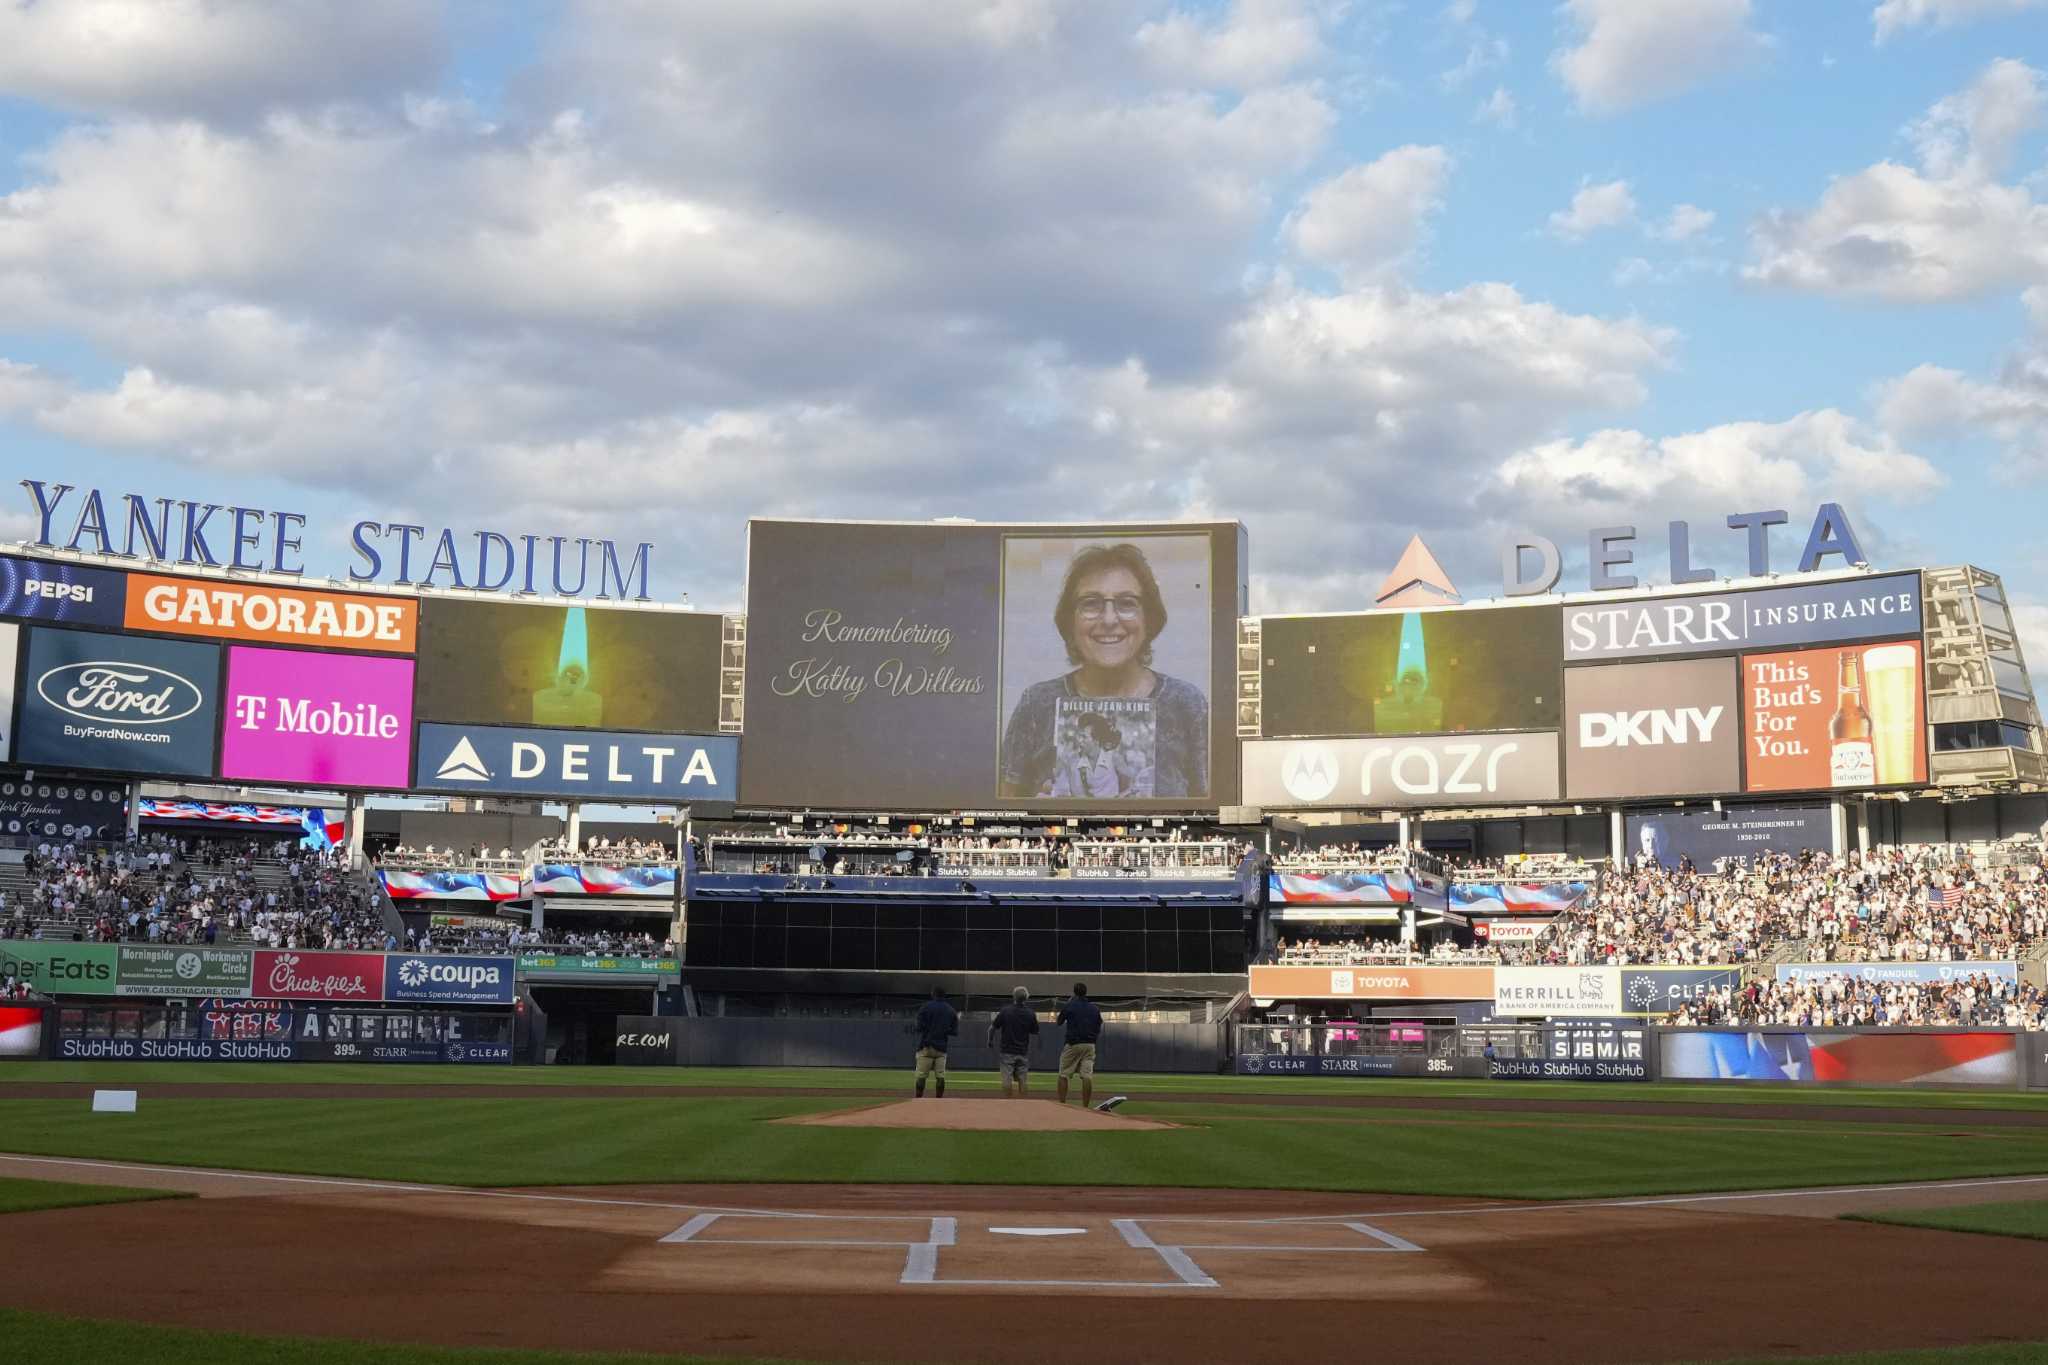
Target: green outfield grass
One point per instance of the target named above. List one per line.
(26, 1196)
(978, 1082)
(2022, 1218)
(701, 1138)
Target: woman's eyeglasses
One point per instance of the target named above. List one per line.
(1094, 606)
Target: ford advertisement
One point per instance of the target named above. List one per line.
(119, 702)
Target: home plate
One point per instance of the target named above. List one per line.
(1041, 1232)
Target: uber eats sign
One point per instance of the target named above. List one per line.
(60, 968)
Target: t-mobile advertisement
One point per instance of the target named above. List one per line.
(1709, 836)
(339, 720)
(1046, 667)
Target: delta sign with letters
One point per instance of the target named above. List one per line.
(518, 760)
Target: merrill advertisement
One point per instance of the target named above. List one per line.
(979, 667)
(1662, 729)
(596, 764)
(119, 702)
(340, 720)
(1730, 622)
(1431, 770)
(1834, 718)
(1543, 991)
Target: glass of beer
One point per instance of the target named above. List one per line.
(1891, 692)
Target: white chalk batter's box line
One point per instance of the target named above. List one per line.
(921, 1259)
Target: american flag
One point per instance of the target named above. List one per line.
(1944, 895)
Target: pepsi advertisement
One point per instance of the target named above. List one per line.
(66, 594)
(120, 702)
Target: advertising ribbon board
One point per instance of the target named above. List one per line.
(448, 884)
(21, 1030)
(541, 966)
(1834, 718)
(332, 719)
(60, 968)
(444, 980)
(1654, 729)
(1896, 971)
(61, 808)
(269, 613)
(1416, 770)
(604, 879)
(175, 970)
(1878, 1057)
(295, 975)
(1372, 983)
(1666, 990)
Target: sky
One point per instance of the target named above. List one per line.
(1344, 271)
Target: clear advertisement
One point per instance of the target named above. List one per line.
(268, 612)
(1666, 990)
(446, 980)
(1431, 770)
(193, 970)
(1410, 672)
(1845, 718)
(986, 666)
(119, 702)
(1660, 729)
(593, 668)
(60, 592)
(592, 764)
(1708, 836)
(340, 720)
(1731, 622)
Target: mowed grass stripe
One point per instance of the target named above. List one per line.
(30, 1196)
(714, 1140)
(2013, 1218)
(978, 1082)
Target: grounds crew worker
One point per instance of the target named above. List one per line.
(1012, 1030)
(936, 1022)
(1084, 1031)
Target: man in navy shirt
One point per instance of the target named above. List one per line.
(937, 1021)
(1084, 1031)
(1011, 1031)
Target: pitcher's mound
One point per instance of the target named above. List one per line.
(979, 1116)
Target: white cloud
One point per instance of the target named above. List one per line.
(214, 57)
(1370, 216)
(1482, 54)
(1633, 270)
(1594, 207)
(1632, 52)
(1931, 401)
(1894, 16)
(2030, 621)
(1947, 230)
(1497, 108)
(1686, 222)
(1257, 43)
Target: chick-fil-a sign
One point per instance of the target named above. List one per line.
(294, 975)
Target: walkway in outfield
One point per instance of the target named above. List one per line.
(906, 1272)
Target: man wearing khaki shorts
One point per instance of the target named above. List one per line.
(1084, 1030)
(1011, 1032)
(937, 1021)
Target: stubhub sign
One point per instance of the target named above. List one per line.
(577, 763)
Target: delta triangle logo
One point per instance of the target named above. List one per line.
(1417, 581)
(463, 764)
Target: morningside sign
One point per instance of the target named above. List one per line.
(210, 535)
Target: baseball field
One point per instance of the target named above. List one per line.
(373, 1214)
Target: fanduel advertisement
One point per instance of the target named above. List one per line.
(593, 764)
(975, 667)
(1896, 971)
(1431, 770)
(1664, 729)
(119, 702)
(62, 593)
(439, 980)
(61, 808)
(1729, 622)
(339, 720)
(1708, 836)
(1410, 672)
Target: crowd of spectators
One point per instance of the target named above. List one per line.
(1837, 1000)
(605, 849)
(1342, 951)
(509, 937)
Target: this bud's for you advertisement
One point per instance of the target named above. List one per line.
(1848, 717)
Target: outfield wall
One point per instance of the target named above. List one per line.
(645, 1040)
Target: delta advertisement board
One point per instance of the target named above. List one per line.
(1847, 717)
(119, 702)
(1417, 770)
(1372, 983)
(923, 666)
(269, 613)
(1654, 729)
(1410, 672)
(1837, 610)
(1707, 836)
(1886, 1057)
(61, 592)
(591, 764)
(59, 808)
(590, 668)
(331, 720)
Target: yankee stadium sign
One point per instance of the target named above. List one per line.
(208, 534)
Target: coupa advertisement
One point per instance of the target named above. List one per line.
(342, 720)
(1709, 836)
(975, 667)
(133, 969)
(119, 702)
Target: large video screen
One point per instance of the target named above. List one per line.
(118, 702)
(975, 667)
(1847, 717)
(1655, 729)
(594, 668)
(1411, 672)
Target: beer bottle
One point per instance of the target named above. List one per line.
(1853, 760)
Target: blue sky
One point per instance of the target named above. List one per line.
(1342, 270)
